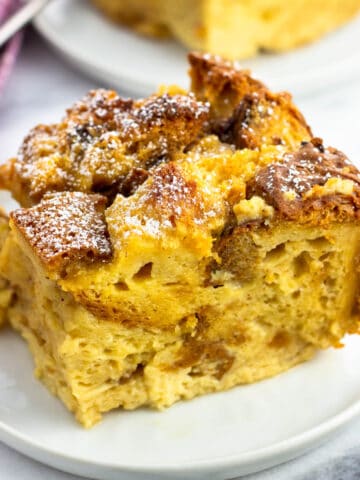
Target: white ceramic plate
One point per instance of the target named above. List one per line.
(116, 56)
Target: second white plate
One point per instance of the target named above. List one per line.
(117, 56)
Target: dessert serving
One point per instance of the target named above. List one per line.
(178, 245)
(234, 28)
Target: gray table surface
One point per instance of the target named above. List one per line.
(41, 87)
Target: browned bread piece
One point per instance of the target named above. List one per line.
(65, 229)
(179, 245)
(104, 144)
(304, 173)
(243, 111)
(219, 83)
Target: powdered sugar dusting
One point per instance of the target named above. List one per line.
(286, 185)
(102, 138)
(66, 227)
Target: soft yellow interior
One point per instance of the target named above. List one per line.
(298, 296)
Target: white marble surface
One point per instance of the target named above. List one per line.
(41, 87)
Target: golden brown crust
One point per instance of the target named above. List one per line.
(40, 167)
(264, 118)
(221, 83)
(285, 185)
(173, 197)
(65, 229)
(243, 111)
(170, 121)
(100, 141)
(110, 145)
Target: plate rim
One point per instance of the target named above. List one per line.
(288, 449)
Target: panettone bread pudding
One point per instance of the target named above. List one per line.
(179, 245)
(234, 28)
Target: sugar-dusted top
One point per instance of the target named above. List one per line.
(66, 228)
(183, 162)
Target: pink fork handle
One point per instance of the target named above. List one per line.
(6, 6)
(9, 54)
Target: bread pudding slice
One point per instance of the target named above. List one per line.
(179, 245)
(234, 28)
